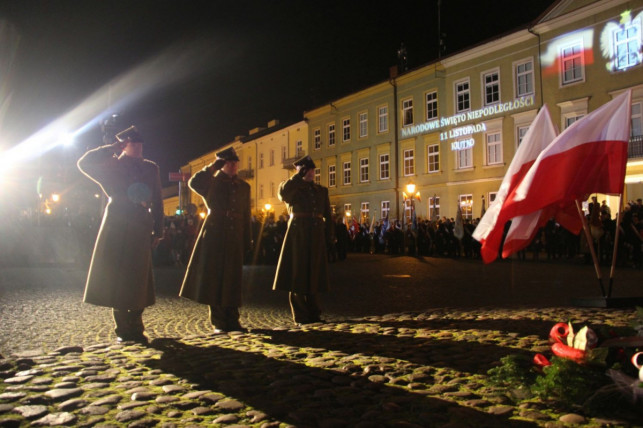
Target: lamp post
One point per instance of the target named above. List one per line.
(412, 195)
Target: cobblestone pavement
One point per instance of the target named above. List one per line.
(408, 343)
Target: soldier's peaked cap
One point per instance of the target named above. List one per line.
(228, 155)
(305, 162)
(130, 135)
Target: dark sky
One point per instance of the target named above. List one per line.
(257, 60)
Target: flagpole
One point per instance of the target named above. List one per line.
(590, 244)
(615, 251)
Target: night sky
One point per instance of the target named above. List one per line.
(255, 60)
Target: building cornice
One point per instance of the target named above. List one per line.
(568, 18)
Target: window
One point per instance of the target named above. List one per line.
(260, 160)
(462, 96)
(524, 78)
(261, 191)
(272, 189)
(364, 212)
(409, 162)
(407, 112)
(572, 63)
(466, 205)
(348, 208)
(363, 170)
(492, 197)
(636, 128)
(363, 125)
(331, 134)
(385, 172)
(627, 44)
(250, 162)
(299, 148)
(491, 88)
(382, 119)
(385, 209)
(317, 175)
(272, 157)
(464, 158)
(317, 138)
(347, 173)
(434, 207)
(284, 153)
(494, 148)
(346, 130)
(433, 158)
(331, 175)
(521, 132)
(431, 105)
(569, 119)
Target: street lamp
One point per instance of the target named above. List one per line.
(412, 195)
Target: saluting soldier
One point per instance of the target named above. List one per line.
(303, 267)
(120, 273)
(215, 269)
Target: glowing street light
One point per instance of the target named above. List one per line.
(55, 197)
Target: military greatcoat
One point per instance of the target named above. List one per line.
(120, 273)
(215, 269)
(303, 264)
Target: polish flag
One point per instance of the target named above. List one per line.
(588, 157)
(491, 227)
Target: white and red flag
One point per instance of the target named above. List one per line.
(491, 227)
(589, 156)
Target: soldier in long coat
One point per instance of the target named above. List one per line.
(303, 266)
(215, 269)
(120, 273)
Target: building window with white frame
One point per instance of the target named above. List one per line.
(494, 148)
(491, 88)
(524, 78)
(571, 118)
(271, 159)
(636, 128)
(572, 63)
(434, 207)
(363, 125)
(348, 211)
(317, 175)
(463, 96)
(431, 105)
(626, 39)
(347, 173)
(407, 112)
(346, 130)
(331, 134)
(385, 171)
(331, 175)
(299, 145)
(521, 131)
(364, 212)
(433, 158)
(385, 209)
(466, 206)
(363, 170)
(464, 158)
(382, 119)
(317, 138)
(409, 162)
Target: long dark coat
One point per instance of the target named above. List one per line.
(214, 273)
(120, 273)
(303, 264)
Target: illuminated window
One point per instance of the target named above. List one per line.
(524, 78)
(627, 45)
(346, 130)
(331, 175)
(433, 157)
(464, 158)
(494, 149)
(299, 145)
(385, 173)
(317, 138)
(347, 173)
(382, 119)
(431, 105)
(348, 207)
(462, 96)
(521, 131)
(572, 63)
(434, 207)
(491, 87)
(466, 206)
(385, 208)
(364, 211)
(271, 159)
(331, 134)
(363, 170)
(409, 162)
(317, 175)
(407, 112)
(363, 125)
